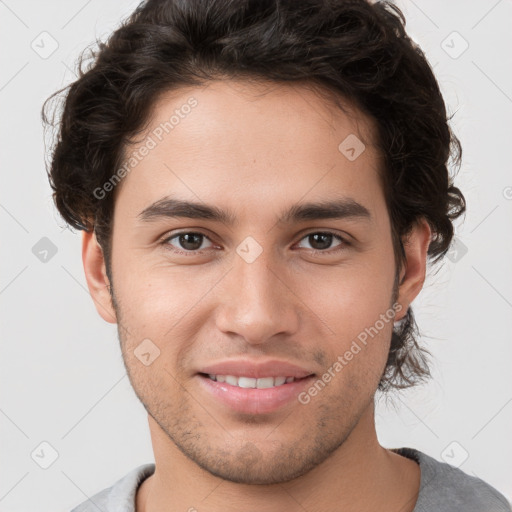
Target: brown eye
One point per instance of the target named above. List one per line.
(322, 241)
(187, 242)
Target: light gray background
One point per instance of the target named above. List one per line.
(62, 377)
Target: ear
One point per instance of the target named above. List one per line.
(412, 275)
(96, 276)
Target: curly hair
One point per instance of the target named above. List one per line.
(356, 49)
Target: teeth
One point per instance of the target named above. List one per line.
(249, 382)
(246, 382)
(265, 382)
(230, 379)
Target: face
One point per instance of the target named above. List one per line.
(275, 288)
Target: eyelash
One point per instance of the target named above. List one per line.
(167, 239)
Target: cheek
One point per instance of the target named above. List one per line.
(357, 352)
(352, 306)
(350, 297)
(161, 303)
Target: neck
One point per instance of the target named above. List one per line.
(359, 475)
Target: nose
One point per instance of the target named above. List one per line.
(256, 301)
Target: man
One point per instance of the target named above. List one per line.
(260, 185)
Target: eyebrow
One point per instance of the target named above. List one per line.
(169, 207)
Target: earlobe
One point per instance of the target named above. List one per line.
(412, 276)
(96, 276)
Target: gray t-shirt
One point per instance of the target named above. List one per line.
(443, 488)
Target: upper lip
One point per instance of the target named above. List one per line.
(256, 369)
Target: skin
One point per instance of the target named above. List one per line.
(256, 150)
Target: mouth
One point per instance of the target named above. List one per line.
(251, 395)
(251, 382)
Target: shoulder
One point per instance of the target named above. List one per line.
(446, 488)
(120, 497)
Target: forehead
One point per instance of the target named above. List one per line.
(250, 144)
(271, 106)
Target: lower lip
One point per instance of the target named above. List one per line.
(253, 400)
